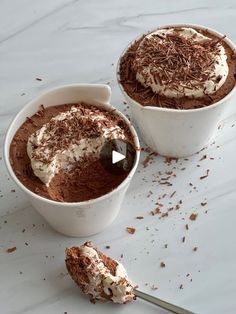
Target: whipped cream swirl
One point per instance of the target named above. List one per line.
(181, 62)
(69, 136)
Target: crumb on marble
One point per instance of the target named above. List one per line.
(11, 249)
(162, 264)
(130, 230)
(206, 175)
(193, 216)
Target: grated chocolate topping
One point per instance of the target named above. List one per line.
(177, 61)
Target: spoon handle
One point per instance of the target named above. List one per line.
(163, 304)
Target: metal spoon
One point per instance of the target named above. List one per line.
(163, 304)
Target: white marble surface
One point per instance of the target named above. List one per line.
(64, 41)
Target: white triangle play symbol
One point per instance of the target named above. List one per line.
(116, 157)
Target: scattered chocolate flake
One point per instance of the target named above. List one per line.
(153, 287)
(172, 194)
(5, 221)
(203, 203)
(183, 239)
(121, 255)
(186, 227)
(130, 230)
(203, 157)
(38, 79)
(181, 287)
(26, 243)
(206, 175)
(139, 217)
(165, 183)
(107, 247)
(157, 210)
(195, 248)
(193, 216)
(165, 246)
(168, 160)
(164, 215)
(149, 158)
(146, 161)
(11, 249)
(13, 191)
(23, 230)
(149, 194)
(162, 264)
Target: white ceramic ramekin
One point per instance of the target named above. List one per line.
(179, 133)
(80, 218)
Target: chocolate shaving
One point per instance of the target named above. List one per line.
(11, 249)
(206, 175)
(193, 216)
(130, 230)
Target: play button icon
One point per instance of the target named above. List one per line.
(117, 156)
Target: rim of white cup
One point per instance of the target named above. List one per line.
(171, 110)
(71, 204)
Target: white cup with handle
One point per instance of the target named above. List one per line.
(78, 218)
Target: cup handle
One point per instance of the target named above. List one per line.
(100, 92)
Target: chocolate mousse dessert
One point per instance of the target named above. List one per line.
(56, 152)
(178, 68)
(99, 276)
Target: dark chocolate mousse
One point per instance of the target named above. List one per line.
(56, 152)
(178, 68)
